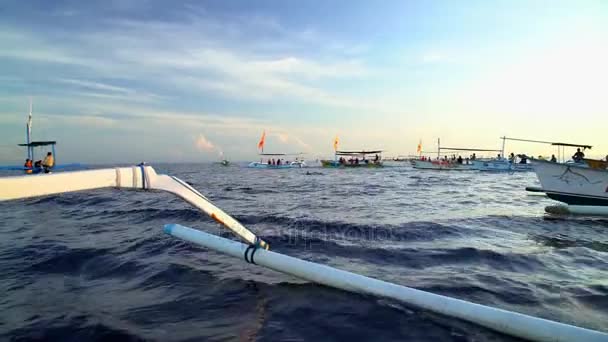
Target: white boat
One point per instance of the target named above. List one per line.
(276, 163)
(460, 164)
(501, 165)
(442, 165)
(292, 165)
(573, 183)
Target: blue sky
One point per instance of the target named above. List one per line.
(124, 81)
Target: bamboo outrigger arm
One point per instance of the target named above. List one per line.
(137, 177)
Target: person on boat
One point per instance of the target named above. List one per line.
(512, 158)
(278, 162)
(357, 161)
(474, 156)
(524, 159)
(377, 158)
(459, 160)
(48, 162)
(28, 165)
(269, 162)
(553, 159)
(578, 156)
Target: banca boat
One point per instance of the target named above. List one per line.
(355, 159)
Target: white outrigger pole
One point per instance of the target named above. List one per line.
(144, 177)
(136, 177)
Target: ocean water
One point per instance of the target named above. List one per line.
(97, 266)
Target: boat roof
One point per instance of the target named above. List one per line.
(39, 143)
(467, 149)
(281, 154)
(352, 153)
(549, 142)
(571, 145)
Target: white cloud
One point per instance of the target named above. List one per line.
(203, 144)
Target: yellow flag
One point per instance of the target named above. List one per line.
(419, 149)
(336, 143)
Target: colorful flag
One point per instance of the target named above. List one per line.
(262, 141)
(336, 143)
(419, 149)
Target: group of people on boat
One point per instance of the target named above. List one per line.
(277, 162)
(356, 161)
(40, 165)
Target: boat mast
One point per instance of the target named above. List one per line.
(504, 139)
(438, 149)
(28, 133)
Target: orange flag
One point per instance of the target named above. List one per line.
(262, 141)
(336, 143)
(419, 149)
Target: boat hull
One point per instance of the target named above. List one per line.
(257, 165)
(573, 184)
(441, 165)
(333, 163)
(501, 166)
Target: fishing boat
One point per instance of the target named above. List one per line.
(573, 183)
(255, 251)
(278, 161)
(32, 167)
(355, 159)
(512, 165)
(454, 164)
(502, 164)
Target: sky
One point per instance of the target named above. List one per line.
(185, 81)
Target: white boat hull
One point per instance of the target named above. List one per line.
(500, 166)
(293, 165)
(573, 184)
(441, 165)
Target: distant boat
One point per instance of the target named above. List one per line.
(278, 163)
(36, 167)
(460, 164)
(225, 162)
(442, 165)
(355, 159)
(573, 183)
(504, 164)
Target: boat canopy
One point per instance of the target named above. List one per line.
(467, 149)
(550, 142)
(281, 154)
(357, 153)
(572, 145)
(39, 143)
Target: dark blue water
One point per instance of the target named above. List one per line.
(97, 266)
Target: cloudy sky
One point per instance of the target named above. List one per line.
(124, 81)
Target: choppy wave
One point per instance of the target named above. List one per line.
(96, 265)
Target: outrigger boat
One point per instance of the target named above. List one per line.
(355, 159)
(454, 164)
(582, 188)
(256, 252)
(36, 166)
(279, 162)
(504, 164)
